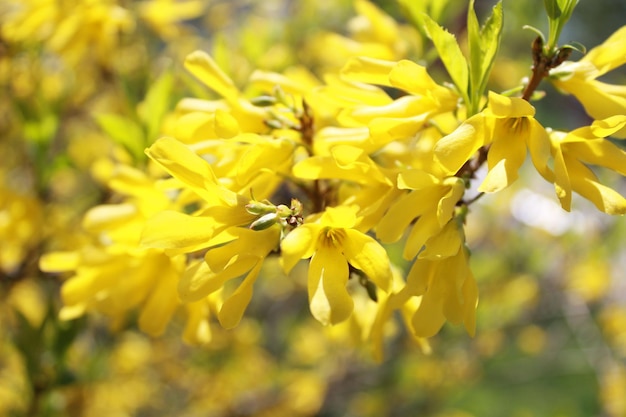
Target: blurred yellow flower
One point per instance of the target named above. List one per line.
(74, 30)
(21, 227)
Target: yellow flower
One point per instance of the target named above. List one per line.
(448, 291)
(72, 29)
(21, 223)
(344, 162)
(372, 33)
(222, 208)
(333, 245)
(401, 118)
(244, 254)
(575, 150)
(247, 117)
(113, 276)
(429, 205)
(439, 287)
(508, 126)
(599, 99)
(164, 16)
(113, 281)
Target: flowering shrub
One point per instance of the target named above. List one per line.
(361, 176)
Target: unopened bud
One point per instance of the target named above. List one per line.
(263, 101)
(257, 208)
(273, 123)
(264, 222)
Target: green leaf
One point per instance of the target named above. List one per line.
(156, 105)
(450, 54)
(124, 131)
(552, 8)
(483, 46)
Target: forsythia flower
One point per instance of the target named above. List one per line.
(508, 126)
(439, 286)
(113, 275)
(401, 118)
(599, 99)
(333, 246)
(72, 29)
(21, 221)
(372, 33)
(431, 201)
(574, 150)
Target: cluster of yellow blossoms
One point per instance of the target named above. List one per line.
(333, 173)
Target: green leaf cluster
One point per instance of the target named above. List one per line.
(559, 12)
(469, 77)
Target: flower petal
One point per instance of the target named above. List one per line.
(234, 306)
(171, 229)
(366, 254)
(201, 65)
(182, 163)
(506, 156)
(160, 303)
(368, 70)
(298, 244)
(453, 150)
(329, 299)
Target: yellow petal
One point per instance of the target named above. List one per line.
(444, 244)
(329, 299)
(161, 303)
(604, 198)
(185, 165)
(600, 100)
(271, 156)
(562, 184)
(206, 70)
(411, 77)
(246, 242)
(59, 261)
(396, 221)
(448, 202)
(426, 226)
(234, 306)
(197, 327)
(384, 27)
(506, 156)
(108, 216)
(368, 70)
(502, 106)
(298, 244)
(170, 229)
(428, 318)
(610, 54)
(341, 217)
(195, 282)
(538, 143)
(415, 179)
(453, 150)
(599, 152)
(366, 254)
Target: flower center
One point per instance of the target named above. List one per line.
(331, 237)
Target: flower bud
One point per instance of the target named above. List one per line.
(263, 101)
(257, 208)
(264, 222)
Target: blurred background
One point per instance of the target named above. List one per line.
(551, 333)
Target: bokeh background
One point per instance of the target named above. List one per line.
(551, 336)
